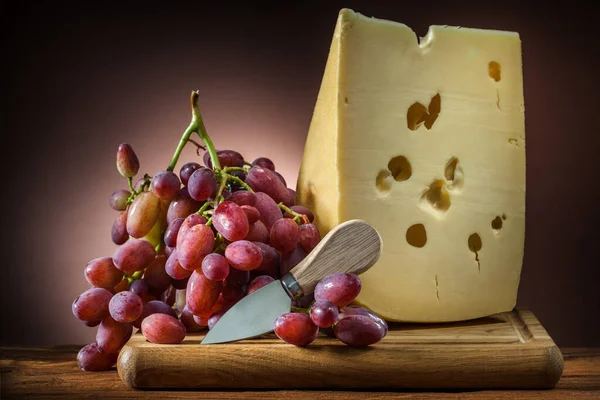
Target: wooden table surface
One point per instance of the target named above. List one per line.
(32, 372)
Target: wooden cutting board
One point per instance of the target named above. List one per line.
(508, 350)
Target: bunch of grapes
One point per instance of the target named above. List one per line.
(192, 245)
(332, 313)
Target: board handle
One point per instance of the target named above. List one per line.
(351, 247)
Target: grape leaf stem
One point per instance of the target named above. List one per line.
(299, 218)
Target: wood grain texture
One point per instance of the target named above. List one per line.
(508, 350)
(52, 373)
(351, 247)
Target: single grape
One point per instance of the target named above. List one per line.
(163, 329)
(187, 170)
(102, 273)
(143, 214)
(258, 233)
(359, 330)
(215, 267)
(170, 237)
(134, 255)
(270, 263)
(309, 237)
(139, 287)
(358, 310)
(201, 320)
(125, 307)
(264, 162)
(111, 335)
(188, 222)
(301, 210)
(284, 235)
(118, 233)
(182, 205)
(237, 277)
(202, 293)
(156, 275)
(165, 185)
(264, 180)
(251, 213)
(202, 184)
(268, 209)
(227, 158)
(232, 293)
(324, 313)
(180, 283)
(154, 307)
(258, 282)
(174, 268)
(90, 358)
(281, 178)
(127, 162)
(198, 243)
(118, 200)
(292, 200)
(243, 198)
(341, 288)
(290, 259)
(92, 305)
(243, 255)
(296, 328)
(230, 220)
(188, 321)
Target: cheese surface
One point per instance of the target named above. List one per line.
(425, 140)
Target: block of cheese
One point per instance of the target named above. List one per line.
(424, 139)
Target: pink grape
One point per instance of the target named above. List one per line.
(163, 329)
(153, 307)
(243, 255)
(258, 233)
(251, 213)
(156, 276)
(264, 180)
(182, 205)
(125, 307)
(296, 328)
(174, 268)
(187, 170)
(227, 158)
(101, 272)
(309, 237)
(188, 321)
(134, 255)
(165, 185)
(202, 185)
(301, 210)
(202, 293)
(92, 305)
(188, 222)
(358, 310)
(268, 209)
(215, 267)
(259, 282)
(230, 221)
(118, 200)
(324, 313)
(340, 288)
(243, 198)
(128, 164)
(197, 244)
(264, 162)
(111, 335)
(118, 233)
(170, 237)
(284, 235)
(143, 214)
(90, 358)
(359, 330)
(270, 263)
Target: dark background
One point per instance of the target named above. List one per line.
(78, 80)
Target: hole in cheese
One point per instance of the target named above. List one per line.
(475, 243)
(400, 168)
(494, 70)
(454, 174)
(418, 114)
(382, 182)
(437, 196)
(416, 235)
(497, 224)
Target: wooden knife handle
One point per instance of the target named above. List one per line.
(351, 247)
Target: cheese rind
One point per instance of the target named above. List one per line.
(431, 133)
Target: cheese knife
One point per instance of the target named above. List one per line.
(351, 247)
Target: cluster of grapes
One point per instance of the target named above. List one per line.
(332, 314)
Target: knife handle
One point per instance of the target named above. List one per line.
(351, 247)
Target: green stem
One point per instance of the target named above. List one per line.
(299, 218)
(221, 188)
(137, 274)
(239, 182)
(227, 169)
(203, 208)
(182, 142)
(209, 222)
(300, 310)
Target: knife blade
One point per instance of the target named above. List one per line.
(351, 247)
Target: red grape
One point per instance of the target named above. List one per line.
(292, 199)
(230, 221)
(188, 222)
(284, 235)
(296, 328)
(101, 272)
(197, 243)
(174, 268)
(118, 233)
(259, 282)
(187, 170)
(243, 198)
(301, 210)
(215, 267)
(118, 200)
(359, 330)
(251, 213)
(182, 205)
(268, 209)
(127, 162)
(243, 255)
(189, 322)
(156, 276)
(92, 305)
(281, 178)
(264, 180)
(111, 335)
(165, 185)
(264, 162)
(258, 233)
(290, 259)
(139, 287)
(143, 214)
(358, 310)
(90, 358)
(154, 307)
(324, 313)
(125, 307)
(202, 184)
(170, 237)
(163, 329)
(227, 158)
(341, 288)
(134, 255)
(309, 237)
(202, 293)
(270, 262)
(237, 277)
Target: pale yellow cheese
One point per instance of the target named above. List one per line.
(426, 141)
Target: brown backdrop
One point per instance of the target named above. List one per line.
(78, 81)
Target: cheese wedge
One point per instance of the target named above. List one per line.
(426, 141)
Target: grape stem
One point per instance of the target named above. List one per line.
(299, 218)
(300, 310)
(239, 182)
(224, 179)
